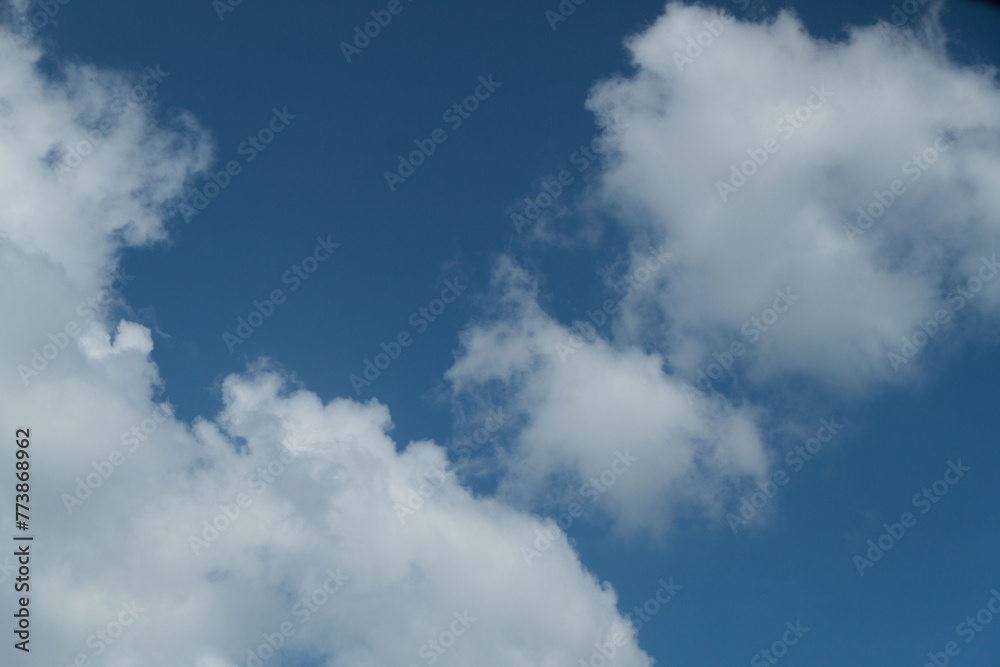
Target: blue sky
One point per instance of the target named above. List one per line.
(485, 317)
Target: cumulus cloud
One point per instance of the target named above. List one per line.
(287, 519)
(285, 510)
(283, 520)
(597, 425)
(748, 148)
(62, 168)
(830, 209)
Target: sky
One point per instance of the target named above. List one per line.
(526, 333)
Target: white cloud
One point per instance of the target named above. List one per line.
(687, 123)
(578, 404)
(119, 486)
(124, 186)
(766, 275)
(321, 483)
(333, 503)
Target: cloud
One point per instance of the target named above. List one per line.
(278, 521)
(748, 148)
(830, 210)
(214, 538)
(123, 185)
(581, 407)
